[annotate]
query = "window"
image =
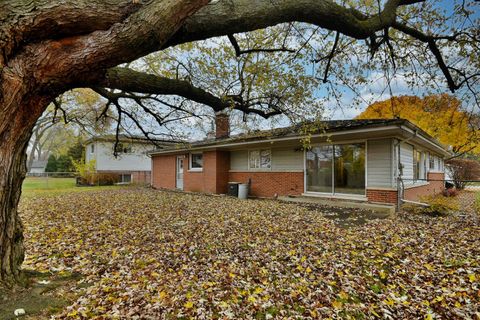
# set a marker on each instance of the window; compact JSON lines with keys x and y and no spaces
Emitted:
{"x":416,"y":164}
{"x":337,"y":169}
{"x":196,"y":161}
{"x":424,"y":158}
{"x":92,"y":148}
{"x":123,"y":148}
{"x":125,"y":178}
{"x":431,"y":161}
{"x":260,"y":159}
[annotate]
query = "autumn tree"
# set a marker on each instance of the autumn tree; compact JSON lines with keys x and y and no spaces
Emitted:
{"x":49,"y":48}
{"x":442,"y":116}
{"x":72,"y":115}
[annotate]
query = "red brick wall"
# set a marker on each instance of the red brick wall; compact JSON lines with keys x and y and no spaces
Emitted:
{"x":141,"y":177}
{"x":217,"y":165}
{"x":433,"y":187}
{"x":384,"y":196}
{"x":163,"y":171}
{"x":267,"y":184}
{"x":214,"y":176}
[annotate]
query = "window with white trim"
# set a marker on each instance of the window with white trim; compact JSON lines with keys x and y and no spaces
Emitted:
{"x":260,"y":159}
{"x":196,"y":161}
{"x":125,"y":178}
{"x":92,"y":148}
{"x":431,"y":161}
{"x":416,"y":164}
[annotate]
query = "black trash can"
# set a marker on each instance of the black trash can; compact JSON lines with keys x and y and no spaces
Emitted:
{"x":233,"y":189}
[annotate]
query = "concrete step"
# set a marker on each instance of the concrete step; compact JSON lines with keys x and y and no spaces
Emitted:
{"x":381,"y":209}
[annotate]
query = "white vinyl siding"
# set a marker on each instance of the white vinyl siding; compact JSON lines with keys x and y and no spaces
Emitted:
{"x":239,"y":160}
{"x":406,"y":159}
{"x":138,"y":160}
{"x":379,"y":163}
{"x":286,"y":159}
{"x":283,"y":159}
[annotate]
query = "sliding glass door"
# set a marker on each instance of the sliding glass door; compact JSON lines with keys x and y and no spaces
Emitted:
{"x":337,"y":169}
{"x":319,"y":169}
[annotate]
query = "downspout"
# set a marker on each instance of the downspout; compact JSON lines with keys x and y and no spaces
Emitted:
{"x":151,"y":169}
{"x":400,"y":184}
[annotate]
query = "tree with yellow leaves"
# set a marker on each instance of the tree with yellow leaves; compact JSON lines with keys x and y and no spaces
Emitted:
{"x":441,"y":116}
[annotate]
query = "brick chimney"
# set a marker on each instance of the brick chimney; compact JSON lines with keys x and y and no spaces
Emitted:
{"x":222,"y":125}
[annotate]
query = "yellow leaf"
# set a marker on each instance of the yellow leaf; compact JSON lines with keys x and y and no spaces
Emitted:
{"x":337,"y":304}
{"x":188,"y":305}
{"x":428,"y":266}
{"x":258,"y":290}
{"x":162,"y":295}
{"x":74,"y":313}
{"x":383,"y":274}
{"x":343,"y":295}
{"x":472,"y":277}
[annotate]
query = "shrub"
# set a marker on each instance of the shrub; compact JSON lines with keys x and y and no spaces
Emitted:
{"x":437,"y":206}
{"x":461,"y":170}
{"x":86,"y":171}
{"x":451,"y":192}
{"x":105,"y":179}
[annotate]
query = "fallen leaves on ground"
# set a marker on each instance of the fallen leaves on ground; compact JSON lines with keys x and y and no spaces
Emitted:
{"x":149,"y":254}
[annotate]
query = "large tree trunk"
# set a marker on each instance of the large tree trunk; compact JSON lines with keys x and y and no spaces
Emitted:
{"x":20,"y":107}
{"x":13,"y":167}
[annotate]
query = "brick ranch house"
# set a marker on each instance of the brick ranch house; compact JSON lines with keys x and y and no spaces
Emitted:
{"x":350,"y":159}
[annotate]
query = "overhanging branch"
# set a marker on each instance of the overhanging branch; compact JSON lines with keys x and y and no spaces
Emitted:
{"x":128,"y":80}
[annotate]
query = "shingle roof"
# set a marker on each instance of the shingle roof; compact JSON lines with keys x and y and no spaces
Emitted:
{"x":326,"y":126}
{"x":39,"y":164}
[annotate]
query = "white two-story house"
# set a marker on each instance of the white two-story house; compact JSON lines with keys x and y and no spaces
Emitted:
{"x":132,"y":163}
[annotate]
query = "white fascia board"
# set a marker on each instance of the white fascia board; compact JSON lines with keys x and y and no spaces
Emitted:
{"x":292,"y":138}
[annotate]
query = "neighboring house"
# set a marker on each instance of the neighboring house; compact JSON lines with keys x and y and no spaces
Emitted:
{"x":132,"y":164}
{"x":352,"y":159}
{"x":38,"y":167}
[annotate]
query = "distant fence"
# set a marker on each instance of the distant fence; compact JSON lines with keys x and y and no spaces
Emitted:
{"x":53,"y":174}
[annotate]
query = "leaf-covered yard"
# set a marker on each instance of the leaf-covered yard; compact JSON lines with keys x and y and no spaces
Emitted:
{"x":150,"y":254}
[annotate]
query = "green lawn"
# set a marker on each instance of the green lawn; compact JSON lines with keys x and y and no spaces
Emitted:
{"x":44,"y":186}
{"x":477,"y":202}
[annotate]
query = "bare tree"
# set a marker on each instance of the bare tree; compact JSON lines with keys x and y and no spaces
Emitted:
{"x":49,"y":48}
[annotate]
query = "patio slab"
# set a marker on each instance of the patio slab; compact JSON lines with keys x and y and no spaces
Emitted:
{"x":379,"y":210}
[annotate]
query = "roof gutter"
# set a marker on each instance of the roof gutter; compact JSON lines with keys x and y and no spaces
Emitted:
{"x":291,"y":138}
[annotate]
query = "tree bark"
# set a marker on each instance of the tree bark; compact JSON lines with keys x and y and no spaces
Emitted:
{"x":33,"y":73}
{"x":19,"y":111}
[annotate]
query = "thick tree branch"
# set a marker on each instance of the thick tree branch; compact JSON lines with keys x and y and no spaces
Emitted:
{"x":133,"y":81}
{"x":89,"y":55}
{"x":225,"y":17}
{"x":27,"y":21}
